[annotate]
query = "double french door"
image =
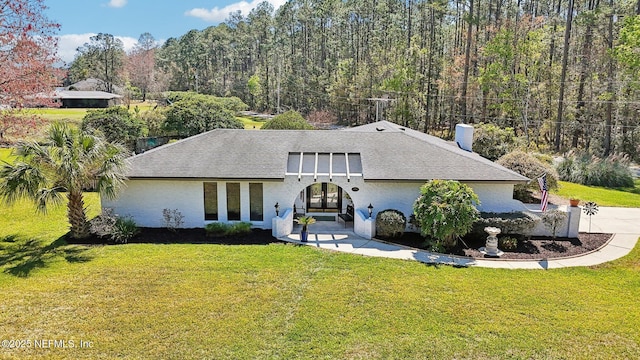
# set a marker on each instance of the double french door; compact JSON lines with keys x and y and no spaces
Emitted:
{"x":324,"y":197}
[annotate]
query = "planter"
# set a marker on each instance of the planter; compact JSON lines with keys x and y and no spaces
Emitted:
{"x":574,"y":202}
{"x":305,"y":221}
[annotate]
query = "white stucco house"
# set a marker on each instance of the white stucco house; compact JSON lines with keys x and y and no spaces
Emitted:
{"x":237,"y":175}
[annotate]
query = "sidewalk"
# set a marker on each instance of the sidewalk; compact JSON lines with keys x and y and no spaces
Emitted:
{"x":625,"y":223}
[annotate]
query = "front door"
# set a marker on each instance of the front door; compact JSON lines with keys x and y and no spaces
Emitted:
{"x":324,"y":197}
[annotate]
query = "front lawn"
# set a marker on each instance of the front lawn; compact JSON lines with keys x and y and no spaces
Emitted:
{"x":621,"y":197}
{"x":187,"y":301}
{"x":250,"y":122}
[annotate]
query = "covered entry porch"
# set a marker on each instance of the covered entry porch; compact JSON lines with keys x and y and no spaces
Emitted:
{"x":327,"y":203}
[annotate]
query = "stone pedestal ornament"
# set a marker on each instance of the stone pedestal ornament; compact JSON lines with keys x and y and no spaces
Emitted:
{"x":491,"y":247}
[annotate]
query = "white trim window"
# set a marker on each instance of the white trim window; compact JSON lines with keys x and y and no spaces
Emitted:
{"x":210,"y":200}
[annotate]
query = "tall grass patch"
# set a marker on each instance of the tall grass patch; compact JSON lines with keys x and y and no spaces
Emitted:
{"x":581,"y":168}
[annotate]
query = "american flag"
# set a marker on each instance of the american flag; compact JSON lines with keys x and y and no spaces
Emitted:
{"x":542,"y":182}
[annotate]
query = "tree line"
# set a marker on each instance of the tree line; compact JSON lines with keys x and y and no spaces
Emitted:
{"x":562,"y":73}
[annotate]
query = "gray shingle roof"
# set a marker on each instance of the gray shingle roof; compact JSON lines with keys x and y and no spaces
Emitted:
{"x":73,"y":94}
{"x":392,"y":154}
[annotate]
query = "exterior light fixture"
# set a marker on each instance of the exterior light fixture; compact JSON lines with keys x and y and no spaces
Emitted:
{"x":277,"y":206}
{"x":370,"y":207}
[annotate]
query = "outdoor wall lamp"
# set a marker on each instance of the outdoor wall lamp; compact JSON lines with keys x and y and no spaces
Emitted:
{"x":277,"y":206}
{"x":370,"y":207}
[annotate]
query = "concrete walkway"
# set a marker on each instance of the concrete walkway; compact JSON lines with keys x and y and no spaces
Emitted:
{"x":624,"y":223}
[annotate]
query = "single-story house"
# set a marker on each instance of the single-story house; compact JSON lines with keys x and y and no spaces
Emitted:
{"x":86,"y":99}
{"x":230,"y":175}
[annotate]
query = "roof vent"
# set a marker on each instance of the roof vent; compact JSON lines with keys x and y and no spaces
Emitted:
{"x":464,"y":136}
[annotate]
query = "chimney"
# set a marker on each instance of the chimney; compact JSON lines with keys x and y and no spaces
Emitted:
{"x":464,"y":136}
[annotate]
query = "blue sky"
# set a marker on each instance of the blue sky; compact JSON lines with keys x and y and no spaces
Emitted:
{"x":127,"y":19}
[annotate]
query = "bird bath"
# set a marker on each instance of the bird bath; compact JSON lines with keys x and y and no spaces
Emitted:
{"x":491,"y":247}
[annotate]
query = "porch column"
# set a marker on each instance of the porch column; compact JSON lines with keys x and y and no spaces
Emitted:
{"x":364,"y":226}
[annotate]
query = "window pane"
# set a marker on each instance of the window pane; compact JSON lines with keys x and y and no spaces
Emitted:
{"x":333,"y":198}
{"x":323,"y":163}
{"x":339,"y":164}
{"x":233,"y":201}
{"x":314,"y":196}
{"x":293,"y":163}
{"x":256,"y":201}
{"x":210,"y":201}
{"x":309,"y":163}
{"x":355,"y":164}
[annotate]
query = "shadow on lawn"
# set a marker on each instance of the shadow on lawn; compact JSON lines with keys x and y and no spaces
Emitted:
{"x":20,"y":257}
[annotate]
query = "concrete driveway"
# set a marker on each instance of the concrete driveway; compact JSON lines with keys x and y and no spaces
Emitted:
{"x":612,"y":220}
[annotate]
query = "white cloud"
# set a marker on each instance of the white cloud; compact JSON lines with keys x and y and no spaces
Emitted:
{"x":117,"y":3}
{"x":128,"y":42}
{"x":67,"y":44}
{"x":219,"y":15}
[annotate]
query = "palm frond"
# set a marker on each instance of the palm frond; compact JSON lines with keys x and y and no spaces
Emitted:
{"x":20,"y":180}
{"x":113,"y":167}
{"x":47,"y":197}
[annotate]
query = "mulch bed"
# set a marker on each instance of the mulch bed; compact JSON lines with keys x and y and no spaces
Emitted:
{"x":189,"y":236}
{"x":536,"y":248}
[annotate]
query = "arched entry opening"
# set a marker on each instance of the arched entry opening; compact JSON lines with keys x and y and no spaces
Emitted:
{"x":323,"y":200}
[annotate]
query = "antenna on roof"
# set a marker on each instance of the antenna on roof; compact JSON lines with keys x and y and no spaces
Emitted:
{"x":384,"y":100}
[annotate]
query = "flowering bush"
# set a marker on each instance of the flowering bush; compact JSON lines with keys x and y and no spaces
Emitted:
{"x":390,"y":223}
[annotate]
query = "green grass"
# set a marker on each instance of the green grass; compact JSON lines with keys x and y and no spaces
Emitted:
{"x":5,"y":155}
{"x":622,"y":197}
{"x":283,"y":301}
{"x":21,"y":220}
{"x":60,"y":114}
{"x":251,"y":122}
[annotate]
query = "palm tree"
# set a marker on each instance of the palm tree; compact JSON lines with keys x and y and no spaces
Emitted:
{"x":69,"y":161}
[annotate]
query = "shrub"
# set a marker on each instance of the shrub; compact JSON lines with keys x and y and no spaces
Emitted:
{"x":508,"y":243}
{"x":492,"y":142}
{"x":109,"y":226}
{"x":582,"y":168}
{"x":125,"y":229}
{"x":103,"y":224}
{"x":195,"y":113}
{"x":390,"y":223}
{"x":519,"y":223}
{"x":553,"y":220}
{"x":445,"y":211}
{"x":290,"y":120}
{"x":239,"y":229}
{"x":116,"y":123}
{"x":217,"y":229}
{"x":528,"y":165}
{"x":154,"y":121}
{"x":173,"y":219}
{"x":231,"y":103}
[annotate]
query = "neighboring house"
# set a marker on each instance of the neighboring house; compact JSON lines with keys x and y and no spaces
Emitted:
{"x":86,"y":99}
{"x":237,"y":175}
